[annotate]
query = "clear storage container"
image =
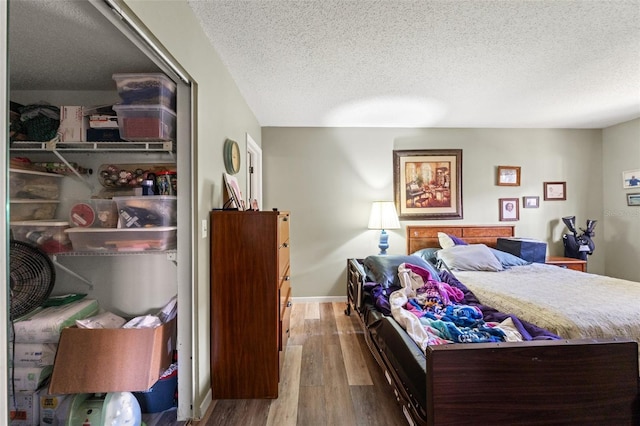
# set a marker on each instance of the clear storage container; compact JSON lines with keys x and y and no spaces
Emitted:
{"x":94,"y":213}
{"x":34,"y":185}
{"x":123,"y":240}
{"x":147,"y":211}
{"x":146,"y":122}
{"x":146,"y":89}
{"x":47,"y":235}
{"x":32,"y":209}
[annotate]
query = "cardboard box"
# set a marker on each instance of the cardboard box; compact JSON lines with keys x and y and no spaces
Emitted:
{"x":73,"y":124}
{"x":525,"y":248}
{"x":112,"y":360}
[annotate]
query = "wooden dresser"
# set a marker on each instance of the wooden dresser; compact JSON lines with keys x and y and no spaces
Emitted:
{"x":567,"y":262}
{"x":250,"y":307}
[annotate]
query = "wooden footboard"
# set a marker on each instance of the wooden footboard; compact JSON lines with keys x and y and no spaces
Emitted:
{"x":565,"y":382}
{"x":577,"y":382}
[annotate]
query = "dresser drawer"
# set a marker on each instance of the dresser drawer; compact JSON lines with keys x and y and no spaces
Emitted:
{"x":285,"y":326}
{"x":283,"y":260}
{"x":283,"y":228}
{"x":284,"y":292}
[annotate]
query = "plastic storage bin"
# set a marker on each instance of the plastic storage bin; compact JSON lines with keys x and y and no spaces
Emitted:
{"x":94,"y":213}
{"x":146,"y":122}
{"x":47,"y":235}
{"x":34,"y":185}
{"x":32,"y":209}
{"x":146,"y":89}
{"x":123,"y":240}
{"x":162,"y":395}
{"x":147,"y":211}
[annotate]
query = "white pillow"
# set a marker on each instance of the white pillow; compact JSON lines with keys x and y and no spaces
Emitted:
{"x":445,"y":240}
{"x":472,"y":257}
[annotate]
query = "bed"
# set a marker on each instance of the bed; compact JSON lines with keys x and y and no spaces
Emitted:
{"x":592,"y":379}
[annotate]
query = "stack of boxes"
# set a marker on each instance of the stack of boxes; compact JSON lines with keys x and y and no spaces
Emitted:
{"x":147,"y":111}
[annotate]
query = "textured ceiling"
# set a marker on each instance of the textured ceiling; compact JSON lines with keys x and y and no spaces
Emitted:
{"x":67,"y":45}
{"x":507,"y":64}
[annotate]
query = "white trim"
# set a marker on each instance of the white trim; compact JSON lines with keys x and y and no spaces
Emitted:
{"x":254,"y":180}
{"x":319,"y":299}
{"x":4,"y":235}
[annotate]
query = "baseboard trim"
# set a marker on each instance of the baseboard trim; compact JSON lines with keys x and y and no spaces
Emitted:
{"x":319,"y":299}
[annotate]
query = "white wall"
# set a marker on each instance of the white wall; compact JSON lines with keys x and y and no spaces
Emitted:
{"x":328,"y":177}
{"x":621,"y":243}
{"x":221,"y":113}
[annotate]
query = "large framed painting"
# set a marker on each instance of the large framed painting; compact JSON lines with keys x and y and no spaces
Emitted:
{"x":428,"y":184}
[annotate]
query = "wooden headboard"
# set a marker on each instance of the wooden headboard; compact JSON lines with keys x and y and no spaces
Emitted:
{"x":426,"y":236}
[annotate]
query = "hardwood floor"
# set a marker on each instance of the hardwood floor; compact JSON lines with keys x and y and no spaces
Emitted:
{"x":329,"y":378}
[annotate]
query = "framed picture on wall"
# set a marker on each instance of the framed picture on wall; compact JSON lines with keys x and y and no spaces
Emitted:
{"x":631,"y":179}
{"x":530,"y":202}
{"x":633,"y":199}
{"x":555,"y":191}
{"x":427,"y":184}
{"x":508,"y":176}
{"x":509,"y":209}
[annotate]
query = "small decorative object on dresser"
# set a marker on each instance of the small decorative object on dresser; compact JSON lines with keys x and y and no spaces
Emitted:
{"x":508,"y":176}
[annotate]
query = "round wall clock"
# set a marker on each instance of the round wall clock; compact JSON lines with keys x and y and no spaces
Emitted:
{"x":231,"y":156}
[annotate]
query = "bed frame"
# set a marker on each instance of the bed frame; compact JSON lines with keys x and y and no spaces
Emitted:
{"x":586,"y":381}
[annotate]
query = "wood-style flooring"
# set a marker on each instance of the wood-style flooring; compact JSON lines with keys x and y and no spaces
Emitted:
{"x":329,"y":378}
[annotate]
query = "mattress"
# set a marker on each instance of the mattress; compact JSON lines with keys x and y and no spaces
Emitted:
{"x":569,"y":303}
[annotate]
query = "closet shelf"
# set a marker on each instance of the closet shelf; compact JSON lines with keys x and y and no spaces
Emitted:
{"x":148,"y":146}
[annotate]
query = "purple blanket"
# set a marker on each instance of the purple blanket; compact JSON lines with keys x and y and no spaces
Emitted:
{"x":529,"y":331}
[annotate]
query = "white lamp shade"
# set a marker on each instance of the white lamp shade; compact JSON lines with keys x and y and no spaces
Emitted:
{"x":383,"y":216}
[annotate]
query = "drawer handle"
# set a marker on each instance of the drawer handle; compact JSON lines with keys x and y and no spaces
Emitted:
{"x":285,"y":244}
{"x":287,"y":277}
{"x":289,"y":304}
{"x":286,"y":218}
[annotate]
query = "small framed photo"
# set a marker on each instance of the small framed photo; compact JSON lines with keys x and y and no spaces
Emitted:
{"x":633,"y":199}
{"x":509,"y":209}
{"x":530,"y":202}
{"x":555,"y":191}
{"x":631,"y":179}
{"x":508,"y":176}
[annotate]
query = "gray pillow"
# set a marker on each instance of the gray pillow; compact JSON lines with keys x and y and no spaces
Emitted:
{"x":472,"y":257}
{"x":507,"y":259}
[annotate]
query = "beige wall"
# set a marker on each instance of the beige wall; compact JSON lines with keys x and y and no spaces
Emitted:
{"x":621,"y":244}
{"x":221,"y":113}
{"x":328,"y":177}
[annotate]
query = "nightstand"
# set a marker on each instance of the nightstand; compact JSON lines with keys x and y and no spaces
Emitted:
{"x":567,"y":262}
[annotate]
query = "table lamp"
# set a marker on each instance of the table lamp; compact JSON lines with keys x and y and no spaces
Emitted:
{"x":383,"y":216}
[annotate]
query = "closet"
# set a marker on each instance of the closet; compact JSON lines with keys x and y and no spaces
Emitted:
{"x":67,"y":57}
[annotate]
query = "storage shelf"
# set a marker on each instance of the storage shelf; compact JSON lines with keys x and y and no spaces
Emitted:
{"x":171,"y":254}
{"x":148,"y":146}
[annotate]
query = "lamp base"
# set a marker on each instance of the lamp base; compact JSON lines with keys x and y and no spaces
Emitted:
{"x":384,"y":242}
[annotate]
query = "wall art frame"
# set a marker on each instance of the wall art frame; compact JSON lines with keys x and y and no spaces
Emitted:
{"x":633,"y":199}
{"x":508,"y":176}
{"x":530,"y":202}
{"x":555,"y":191}
{"x":509,"y":210}
{"x":428,"y":184}
{"x":631,"y":179}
